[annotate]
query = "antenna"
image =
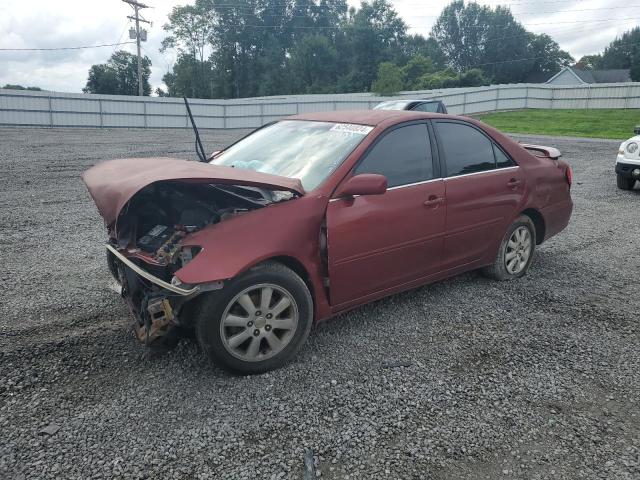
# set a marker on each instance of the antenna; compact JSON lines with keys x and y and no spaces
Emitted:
{"x":199,"y":148}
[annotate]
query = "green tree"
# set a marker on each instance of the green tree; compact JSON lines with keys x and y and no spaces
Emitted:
{"x":190,"y":77}
{"x":415,"y":68}
{"x":446,"y":78}
{"x":275,"y":76}
{"x":311,"y":64}
{"x":477,"y":36}
{"x":427,"y":47}
{"x":635,"y":67}
{"x":621,"y":52}
{"x":472,"y":78}
{"x":389,"y":80}
{"x":547,"y":54}
{"x":589,"y":61}
{"x":375,"y":34}
{"x":119,"y":76}
{"x":10,"y":86}
{"x":189,"y":30}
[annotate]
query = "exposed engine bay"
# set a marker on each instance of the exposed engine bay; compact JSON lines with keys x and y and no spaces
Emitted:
{"x":150,"y":232}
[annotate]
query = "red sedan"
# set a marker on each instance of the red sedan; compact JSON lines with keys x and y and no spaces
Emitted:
{"x":317,"y":214}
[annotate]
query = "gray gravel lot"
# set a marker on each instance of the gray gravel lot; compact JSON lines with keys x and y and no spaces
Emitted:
{"x":538,"y":378}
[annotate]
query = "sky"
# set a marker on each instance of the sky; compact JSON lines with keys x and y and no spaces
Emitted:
{"x":581,"y":27}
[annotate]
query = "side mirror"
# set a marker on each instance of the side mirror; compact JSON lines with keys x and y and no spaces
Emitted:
{"x":363,"y":184}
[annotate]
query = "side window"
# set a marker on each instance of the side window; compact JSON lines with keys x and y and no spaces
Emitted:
{"x":466,"y":150}
{"x":427,"y":107}
{"x":502,"y":161}
{"x":402,"y":155}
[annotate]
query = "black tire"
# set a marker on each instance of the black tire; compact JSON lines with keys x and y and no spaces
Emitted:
{"x":625,"y":183}
{"x":208,"y":314}
{"x":498,"y":270}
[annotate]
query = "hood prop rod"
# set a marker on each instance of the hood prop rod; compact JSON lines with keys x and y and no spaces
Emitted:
{"x":199,"y":148}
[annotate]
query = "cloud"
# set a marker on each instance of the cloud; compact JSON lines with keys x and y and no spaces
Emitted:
{"x":580,"y":27}
{"x":46,"y":24}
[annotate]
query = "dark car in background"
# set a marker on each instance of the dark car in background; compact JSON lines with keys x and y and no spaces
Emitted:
{"x":431,"y":106}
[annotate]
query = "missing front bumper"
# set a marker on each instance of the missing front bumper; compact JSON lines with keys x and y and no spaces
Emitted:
{"x":152,"y":278}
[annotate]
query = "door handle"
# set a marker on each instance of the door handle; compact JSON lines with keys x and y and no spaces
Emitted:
{"x":514,"y":183}
{"x":433,"y":201}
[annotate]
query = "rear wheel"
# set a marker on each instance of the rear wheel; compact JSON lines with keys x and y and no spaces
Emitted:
{"x":516,"y":251}
{"x":257,"y":322}
{"x":625,"y":183}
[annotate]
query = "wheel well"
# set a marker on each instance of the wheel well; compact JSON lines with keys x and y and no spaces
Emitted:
{"x":538,"y":222}
{"x":295,"y":265}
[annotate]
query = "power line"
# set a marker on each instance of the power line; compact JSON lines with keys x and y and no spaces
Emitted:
{"x":533,"y":58}
{"x":250,"y":8}
{"x":62,"y":48}
{"x":284,"y":26}
{"x":124,"y":29}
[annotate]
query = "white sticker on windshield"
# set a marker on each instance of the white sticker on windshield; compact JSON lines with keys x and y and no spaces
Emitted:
{"x":351,"y":128}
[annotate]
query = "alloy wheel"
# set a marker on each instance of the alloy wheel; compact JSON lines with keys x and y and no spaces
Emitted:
{"x":259,"y":322}
{"x":518,"y":250}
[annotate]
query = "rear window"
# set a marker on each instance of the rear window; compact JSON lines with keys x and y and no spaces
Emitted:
{"x":394,"y":105}
{"x":432,"y":107}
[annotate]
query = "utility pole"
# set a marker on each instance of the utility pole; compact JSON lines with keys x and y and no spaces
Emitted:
{"x":137,"y":6}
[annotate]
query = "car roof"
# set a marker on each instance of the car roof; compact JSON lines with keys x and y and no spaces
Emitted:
{"x":367,"y":117}
{"x":422,"y":100}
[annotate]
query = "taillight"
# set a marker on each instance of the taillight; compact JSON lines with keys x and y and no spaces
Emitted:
{"x":568,"y":173}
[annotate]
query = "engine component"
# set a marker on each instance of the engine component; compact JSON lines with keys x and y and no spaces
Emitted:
{"x":155,"y":238}
{"x":158,"y":321}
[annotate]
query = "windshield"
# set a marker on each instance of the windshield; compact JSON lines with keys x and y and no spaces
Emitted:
{"x":307,"y":150}
{"x":393,"y":105}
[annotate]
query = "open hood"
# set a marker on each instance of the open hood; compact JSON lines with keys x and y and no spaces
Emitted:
{"x":113,"y":183}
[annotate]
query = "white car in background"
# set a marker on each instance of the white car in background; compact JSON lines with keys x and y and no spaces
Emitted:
{"x":628,"y":162}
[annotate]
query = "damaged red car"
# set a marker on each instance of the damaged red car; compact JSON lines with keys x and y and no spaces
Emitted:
{"x":314,"y":215}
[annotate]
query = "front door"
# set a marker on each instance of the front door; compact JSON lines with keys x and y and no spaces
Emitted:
{"x":377,"y":242}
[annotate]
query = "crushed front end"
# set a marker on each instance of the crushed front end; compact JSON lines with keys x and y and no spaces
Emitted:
{"x":154,"y":208}
{"x":150,"y":243}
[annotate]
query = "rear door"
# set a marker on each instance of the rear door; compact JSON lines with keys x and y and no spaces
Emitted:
{"x":378,"y":242}
{"x":484,"y":188}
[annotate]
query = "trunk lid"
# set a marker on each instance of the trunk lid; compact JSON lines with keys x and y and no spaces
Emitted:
{"x":113,"y":183}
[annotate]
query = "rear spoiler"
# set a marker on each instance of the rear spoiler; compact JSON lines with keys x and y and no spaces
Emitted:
{"x":542,"y":152}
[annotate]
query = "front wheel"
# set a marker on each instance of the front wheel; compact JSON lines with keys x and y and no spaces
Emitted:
{"x":256,"y":323}
{"x":515,"y":252}
{"x":625,"y":183}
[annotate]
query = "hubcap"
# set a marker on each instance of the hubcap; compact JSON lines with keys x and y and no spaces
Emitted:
{"x":259,"y":322}
{"x":518,"y":250}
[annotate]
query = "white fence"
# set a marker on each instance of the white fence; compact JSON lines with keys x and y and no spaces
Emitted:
{"x":51,"y":109}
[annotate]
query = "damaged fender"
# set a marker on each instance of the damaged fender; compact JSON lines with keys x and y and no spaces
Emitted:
{"x":232,"y":247}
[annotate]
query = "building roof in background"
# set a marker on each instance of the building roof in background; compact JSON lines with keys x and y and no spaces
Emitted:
{"x":612,"y":76}
{"x":596,"y":76}
{"x":585,"y":75}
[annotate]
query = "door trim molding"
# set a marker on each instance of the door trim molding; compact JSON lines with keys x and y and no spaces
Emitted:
{"x":395,"y":188}
{"x":493,"y":170}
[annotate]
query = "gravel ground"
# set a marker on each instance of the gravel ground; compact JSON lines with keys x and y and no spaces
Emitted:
{"x":464,"y":379}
